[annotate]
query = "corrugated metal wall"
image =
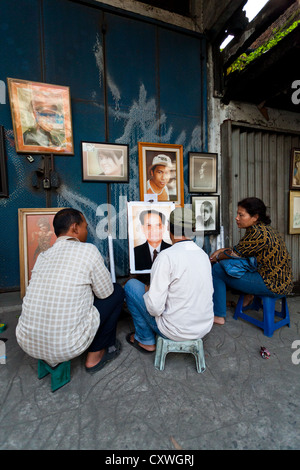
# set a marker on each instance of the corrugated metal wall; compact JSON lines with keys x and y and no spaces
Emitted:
{"x":156,"y":92}
{"x":257,"y":163}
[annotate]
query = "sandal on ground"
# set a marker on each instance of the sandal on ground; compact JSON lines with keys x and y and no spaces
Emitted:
{"x":108,"y":356}
{"x":136,"y":345}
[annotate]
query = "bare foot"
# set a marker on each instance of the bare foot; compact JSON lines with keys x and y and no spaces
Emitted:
{"x":248,"y":298}
{"x":219,"y":320}
{"x":94,"y":357}
{"x":148,"y":347}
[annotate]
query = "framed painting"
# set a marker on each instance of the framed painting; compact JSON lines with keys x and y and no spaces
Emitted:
{"x":295,"y":169}
{"x":36,"y":234}
{"x":105,"y":162}
{"x":161,"y":172}
{"x":207,"y":214}
{"x":294,"y":213}
{"x":41,"y":116}
{"x":203,"y":172}
{"x":3,"y":166}
{"x":148,"y":233}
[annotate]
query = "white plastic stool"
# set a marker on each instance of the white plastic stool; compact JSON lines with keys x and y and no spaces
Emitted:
{"x":164,"y":346}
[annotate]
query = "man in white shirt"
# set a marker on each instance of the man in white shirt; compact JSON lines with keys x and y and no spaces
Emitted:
{"x":71,"y":304}
{"x":178,"y":304}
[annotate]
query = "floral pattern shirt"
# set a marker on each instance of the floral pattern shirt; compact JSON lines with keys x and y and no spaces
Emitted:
{"x":273,"y":259}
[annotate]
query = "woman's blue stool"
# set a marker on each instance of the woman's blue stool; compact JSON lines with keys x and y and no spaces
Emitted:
{"x":60,"y":374}
{"x":164,"y":346}
{"x":268,"y":304}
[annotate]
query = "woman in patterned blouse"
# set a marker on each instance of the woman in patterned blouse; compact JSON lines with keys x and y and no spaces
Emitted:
{"x":274,"y":273}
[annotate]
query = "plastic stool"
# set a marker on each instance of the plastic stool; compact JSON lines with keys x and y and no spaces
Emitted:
{"x":164,"y":346}
{"x":60,"y":374}
{"x":268,"y":304}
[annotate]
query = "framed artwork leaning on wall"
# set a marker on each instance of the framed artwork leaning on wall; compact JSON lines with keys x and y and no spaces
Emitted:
{"x":161,"y":172}
{"x":203,"y":172}
{"x":294,"y":213}
{"x":295,"y":169}
{"x":206,"y":210}
{"x":41,"y":116}
{"x":36,"y":234}
{"x":105,"y":162}
{"x":147,"y":233}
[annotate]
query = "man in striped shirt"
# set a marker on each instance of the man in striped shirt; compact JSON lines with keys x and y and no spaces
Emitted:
{"x":71,"y":304}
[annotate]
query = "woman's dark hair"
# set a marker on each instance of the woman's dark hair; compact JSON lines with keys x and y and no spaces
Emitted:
{"x":64,"y":219}
{"x":254,"y":206}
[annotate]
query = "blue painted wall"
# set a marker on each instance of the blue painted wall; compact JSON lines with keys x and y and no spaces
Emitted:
{"x":156,"y":92}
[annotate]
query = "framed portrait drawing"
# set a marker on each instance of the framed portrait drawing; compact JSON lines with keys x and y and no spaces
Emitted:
{"x":294,"y":213}
{"x":147,"y":233}
{"x":207,"y":214}
{"x":295,"y":169}
{"x":105,"y":162}
{"x":203,"y":172}
{"x":161,"y":172}
{"x":36,"y":234}
{"x":3,"y":166}
{"x":41,"y":116}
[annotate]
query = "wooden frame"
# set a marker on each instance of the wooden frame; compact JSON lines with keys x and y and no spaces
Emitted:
{"x":203,"y":172}
{"x":36,"y":234}
{"x":3,"y":166}
{"x":137,"y":236}
{"x":164,"y":155}
{"x":295,"y":169}
{"x":114,"y":158}
{"x":206,"y":210}
{"x":41,"y":116}
{"x":294,"y":212}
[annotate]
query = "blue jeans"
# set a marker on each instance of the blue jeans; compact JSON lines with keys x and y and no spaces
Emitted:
{"x":249,"y":283}
{"x":144,"y":324}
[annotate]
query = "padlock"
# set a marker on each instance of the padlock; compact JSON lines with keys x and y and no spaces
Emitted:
{"x":46,"y":183}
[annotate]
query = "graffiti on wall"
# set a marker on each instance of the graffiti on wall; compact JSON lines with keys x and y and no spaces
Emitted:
{"x":140,"y":123}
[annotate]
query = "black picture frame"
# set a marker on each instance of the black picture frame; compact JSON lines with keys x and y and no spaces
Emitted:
{"x":3,"y":166}
{"x":203,"y":172}
{"x":206,"y":210}
{"x":116,"y":154}
{"x":295,"y":169}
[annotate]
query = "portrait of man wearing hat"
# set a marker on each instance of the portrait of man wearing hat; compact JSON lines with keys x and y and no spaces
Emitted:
{"x":160,"y":173}
{"x":49,"y":127}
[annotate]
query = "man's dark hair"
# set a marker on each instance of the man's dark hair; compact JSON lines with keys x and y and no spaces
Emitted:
{"x":64,"y":219}
{"x":152,"y":211}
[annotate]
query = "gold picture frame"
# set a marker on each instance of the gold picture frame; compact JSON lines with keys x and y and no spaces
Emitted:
{"x":41,"y":116}
{"x":294,"y":213}
{"x":170,"y":156}
{"x":36,"y":234}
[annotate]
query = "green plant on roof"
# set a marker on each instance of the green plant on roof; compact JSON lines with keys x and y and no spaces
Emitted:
{"x":243,"y":60}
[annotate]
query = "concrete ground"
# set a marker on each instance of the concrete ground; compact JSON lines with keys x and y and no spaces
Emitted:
{"x":241,"y":401}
